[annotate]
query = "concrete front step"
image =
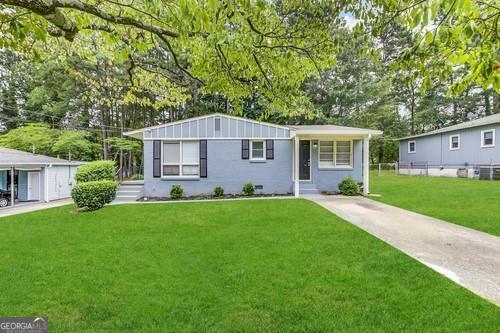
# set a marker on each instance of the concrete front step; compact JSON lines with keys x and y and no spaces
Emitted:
{"x":129,"y":191}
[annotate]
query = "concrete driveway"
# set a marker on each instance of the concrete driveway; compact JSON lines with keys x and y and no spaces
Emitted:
{"x":33,"y":206}
{"x":468,"y":257}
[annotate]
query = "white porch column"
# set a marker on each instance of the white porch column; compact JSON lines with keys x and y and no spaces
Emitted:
{"x":46,"y":181}
{"x":12,"y":192}
{"x":366,"y":165}
{"x":296,"y":168}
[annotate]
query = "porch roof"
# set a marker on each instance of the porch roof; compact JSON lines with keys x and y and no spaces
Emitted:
{"x":333,"y":130}
{"x":16,"y":158}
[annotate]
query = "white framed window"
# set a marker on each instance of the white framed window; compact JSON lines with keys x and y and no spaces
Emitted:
{"x":412,"y":147}
{"x":335,"y":154}
{"x":488,"y":138}
{"x":181,"y":159}
{"x":257,"y":150}
{"x":455,"y":142}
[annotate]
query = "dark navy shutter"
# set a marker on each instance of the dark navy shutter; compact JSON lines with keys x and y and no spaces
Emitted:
{"x":156,"y":158}
{"x":269,"y":149}
{"x":245,"y":146}
{"x":203,"y":158}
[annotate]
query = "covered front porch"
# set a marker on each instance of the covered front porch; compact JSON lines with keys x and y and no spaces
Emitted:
{"x":323,"y":155}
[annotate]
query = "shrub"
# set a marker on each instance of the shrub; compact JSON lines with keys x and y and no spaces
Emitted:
{"x":248,"y":189}
{"x":176,"y":192}
{"x":94,"y":195}
{"x":94,"y":171}
{"x":348,"y":186}
{"x":219,"y":191}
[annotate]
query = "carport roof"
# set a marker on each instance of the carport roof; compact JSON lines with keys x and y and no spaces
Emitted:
{"x":16,"y":158}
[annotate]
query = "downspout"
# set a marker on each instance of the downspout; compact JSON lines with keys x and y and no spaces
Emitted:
{"x":47,"y":182}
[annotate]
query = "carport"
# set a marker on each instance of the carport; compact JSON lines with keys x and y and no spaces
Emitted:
{"x":27,"y":177}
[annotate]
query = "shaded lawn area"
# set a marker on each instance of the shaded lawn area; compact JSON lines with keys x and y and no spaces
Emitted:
{"x":468,"y":202}
{"x":240,"y":266}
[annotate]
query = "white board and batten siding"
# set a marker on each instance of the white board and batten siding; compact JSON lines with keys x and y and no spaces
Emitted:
{"x":60,"y":181}
{"x":217,"y":126}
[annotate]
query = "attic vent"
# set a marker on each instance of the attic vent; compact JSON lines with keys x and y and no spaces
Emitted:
{"x":259,"y":187}
{"x":217,"y":124}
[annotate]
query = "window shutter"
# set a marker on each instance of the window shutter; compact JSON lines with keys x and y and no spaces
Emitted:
{"x":245,"y":146}
{"x":269,"y":149}
{"x":156,"y":158}
{"x":203,"y":158}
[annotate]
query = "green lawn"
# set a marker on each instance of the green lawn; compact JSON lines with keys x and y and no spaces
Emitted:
{"x":468,"y":202}
{"x":239,"y":266}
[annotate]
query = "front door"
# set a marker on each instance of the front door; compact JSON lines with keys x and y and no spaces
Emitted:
{"x":34,"y":185}
{"x":305,"y":160}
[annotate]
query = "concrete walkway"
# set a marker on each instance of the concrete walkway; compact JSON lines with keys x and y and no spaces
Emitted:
{"x":31,"y":207}
{"x":468,"y":257}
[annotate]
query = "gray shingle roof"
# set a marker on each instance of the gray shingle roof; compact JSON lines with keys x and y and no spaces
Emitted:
{"x":493,"y":119}
{"x":12,"y":157}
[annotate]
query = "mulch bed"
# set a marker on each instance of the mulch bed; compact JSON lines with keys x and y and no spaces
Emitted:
{"x":213,"y":197}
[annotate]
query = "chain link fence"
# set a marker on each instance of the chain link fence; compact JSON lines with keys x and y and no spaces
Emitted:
{"x":478,"y":171}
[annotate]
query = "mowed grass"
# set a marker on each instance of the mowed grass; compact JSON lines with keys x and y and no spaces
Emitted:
{"x":238,"y":266}
{"x":468,"y":202}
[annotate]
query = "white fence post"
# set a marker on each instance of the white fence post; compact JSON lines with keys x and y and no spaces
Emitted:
{"x":379,"y":169}
{"x":397,"y":168}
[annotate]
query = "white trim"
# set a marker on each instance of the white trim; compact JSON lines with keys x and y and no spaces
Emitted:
{"x":296,"y":170}
{"x":451,"y":141}
{"x":414,"y":146}
{"x":482,"y":138}
{"x":366,"y":165}
{"x":130,"y":133}
{"x":334,"y":162}
{"x":264,"y":148}
{"x":214,"y":138}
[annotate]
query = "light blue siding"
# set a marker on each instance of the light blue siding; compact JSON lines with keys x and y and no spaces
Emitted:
{"x":435,"y":149}
{"x":226,"y":168}
{"x":204,"y":128}
{"x":22,"y":186}
{"x":328,"y":179}
{"x":3,"y":179}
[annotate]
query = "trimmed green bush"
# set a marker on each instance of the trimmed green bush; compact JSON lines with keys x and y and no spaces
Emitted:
{"x":348,"y":186}
{"x":176,"y":192}
{"x":248,"y":189}
{"x":219,"y":191}
{"x":94,"y":195}
{"x":94,"y":171}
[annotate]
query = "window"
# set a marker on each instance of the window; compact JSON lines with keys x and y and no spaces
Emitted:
{"x":488,"y":138}
{"x":181,"y":158}
{"x":335,"y":154}
{"x":217,"y":124}
{"x":455,"y":142}
{"x":257,"y":150}
{"x":412,"y":147}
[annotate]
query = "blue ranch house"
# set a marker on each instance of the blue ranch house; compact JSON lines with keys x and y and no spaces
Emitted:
{"x":221,"y":150}
{"x":470,"y":149}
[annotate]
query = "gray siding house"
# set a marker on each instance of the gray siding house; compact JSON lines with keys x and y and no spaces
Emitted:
{"x":469,"y":149}
{"x":221,"y":150}
{"x":33,"y":177}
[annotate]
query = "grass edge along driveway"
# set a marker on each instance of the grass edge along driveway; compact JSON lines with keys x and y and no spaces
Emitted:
{"x":471,"y":203}
{"x":240,"y":266}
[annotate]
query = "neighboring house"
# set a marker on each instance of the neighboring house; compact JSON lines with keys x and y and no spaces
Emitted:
{"x":220,"y":150}
{"x":468,"y":149}
{"x":31,"y":177}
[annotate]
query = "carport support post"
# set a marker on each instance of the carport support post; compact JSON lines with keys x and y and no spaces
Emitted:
{"x":12,"y":192}
{"x":366,"y":165}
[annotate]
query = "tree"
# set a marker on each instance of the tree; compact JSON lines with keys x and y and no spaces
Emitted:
{"x":236,"y":48}
{"x":77,"y":145}
{"x":37,"y":137}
